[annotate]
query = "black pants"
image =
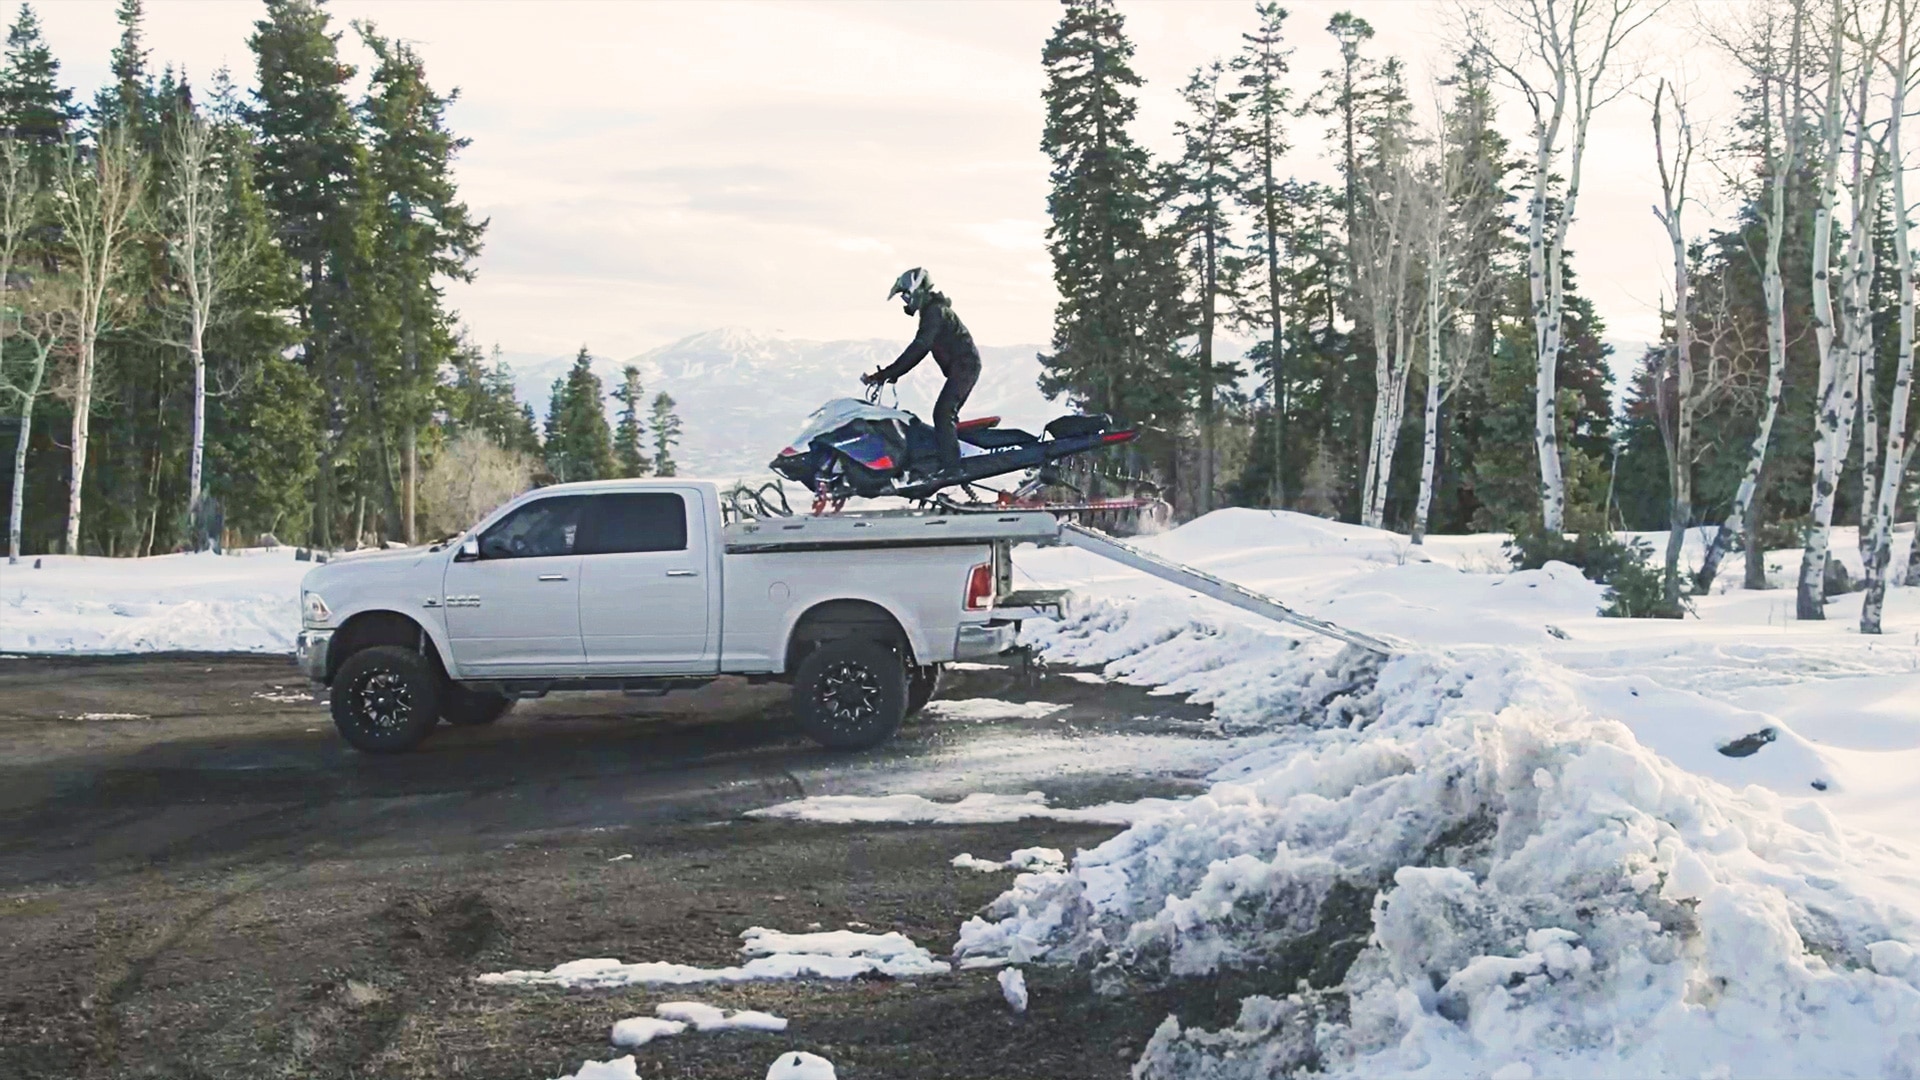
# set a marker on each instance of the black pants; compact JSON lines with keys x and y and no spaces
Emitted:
{"x":946,"y":411}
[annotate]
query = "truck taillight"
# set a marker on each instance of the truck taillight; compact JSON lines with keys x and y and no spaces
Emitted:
{"x":980,"y":587}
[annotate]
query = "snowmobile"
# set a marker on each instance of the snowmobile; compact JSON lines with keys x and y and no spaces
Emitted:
{"x":852,"y":447}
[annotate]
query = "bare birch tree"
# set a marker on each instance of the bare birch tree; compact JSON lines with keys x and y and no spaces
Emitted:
{"x":1838,"y":385}
{"x":208,"y":259}
{"x":1677,"y":417}
{"x":1390,"y":250}
{"x":1879,"y":544}
{"x":1780,"y":134}
{"x":1565,"y":65}
{"x":23,"y":378}
{"x":95,"y":194}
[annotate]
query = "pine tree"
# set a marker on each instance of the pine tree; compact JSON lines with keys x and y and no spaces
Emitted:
{"x":34,"y":107}
{"x":579,"y":444}
{"x":1107,"y":352}
{"x":479,"y":397}
{"x":1264,"y":108}
{"x":629,"y":436}
{"x":422,"y":235}
{"x":665,"y":425}
{"x":130,"y":99}
{"x":312,"y":168}
{"x":1202,"y":186}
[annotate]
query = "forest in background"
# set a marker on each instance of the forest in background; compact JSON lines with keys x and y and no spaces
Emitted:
{"x":1424,"y":359}
{"x":224,"y":314}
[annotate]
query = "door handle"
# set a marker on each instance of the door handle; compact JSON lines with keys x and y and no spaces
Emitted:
{"x":683,"y":573}
{"x":553,"y":577}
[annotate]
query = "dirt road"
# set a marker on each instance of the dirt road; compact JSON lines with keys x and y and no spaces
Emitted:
{"x":198,"y":879}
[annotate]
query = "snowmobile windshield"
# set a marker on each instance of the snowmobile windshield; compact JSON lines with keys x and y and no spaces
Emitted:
{"x":837,"y":414}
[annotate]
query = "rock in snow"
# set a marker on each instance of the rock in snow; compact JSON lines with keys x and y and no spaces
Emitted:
{"x":800,"y":1065}
{"x":1013,"y":987}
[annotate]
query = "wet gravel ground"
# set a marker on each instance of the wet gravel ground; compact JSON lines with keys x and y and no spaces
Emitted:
{"x":198,"y":879}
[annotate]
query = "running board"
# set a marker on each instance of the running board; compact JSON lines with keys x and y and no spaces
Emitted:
{"x":1206,"y":584}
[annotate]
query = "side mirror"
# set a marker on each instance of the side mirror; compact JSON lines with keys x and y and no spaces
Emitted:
{"x":469,"y":550}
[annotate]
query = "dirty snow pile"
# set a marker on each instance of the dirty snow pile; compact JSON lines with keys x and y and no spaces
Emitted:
{"x":831,"y":954}
{"x":1506,"y":851}
{"x":244,"y":601}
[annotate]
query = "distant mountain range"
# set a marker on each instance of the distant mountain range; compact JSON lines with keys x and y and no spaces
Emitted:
{"x":741,"y":395}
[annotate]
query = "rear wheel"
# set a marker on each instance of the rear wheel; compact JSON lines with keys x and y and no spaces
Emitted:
{"x":465,"y":707}
{"x":850,"y":694}
{"x":386,"y":699}
{"x":922,"y":684}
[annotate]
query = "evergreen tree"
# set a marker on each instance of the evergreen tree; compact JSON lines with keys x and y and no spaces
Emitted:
{"x":312,"y":167}
{"x":422,"y":235}
{"x":131,"y":99}
{"x":629,"y":436}
{"x":1201,"y":188}
{"x":479,"y":397}
{"x":35,"y":108}
{"x":1116,"y":328}
{"x":1264,"y":108}
{"x":665,"y":425}
{"x":579,"y":444}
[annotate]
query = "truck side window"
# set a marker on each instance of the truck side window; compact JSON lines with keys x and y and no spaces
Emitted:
{"x":536,"y":530}
{"x":634,"y":521}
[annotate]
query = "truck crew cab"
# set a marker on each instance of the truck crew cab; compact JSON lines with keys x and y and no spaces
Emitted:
{"x":640,"y":585}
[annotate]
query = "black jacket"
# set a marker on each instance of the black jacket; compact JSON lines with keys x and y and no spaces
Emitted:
{"x":942,"y":334}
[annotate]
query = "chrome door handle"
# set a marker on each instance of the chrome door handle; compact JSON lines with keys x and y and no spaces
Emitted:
{"x":553,"y":577}
{"x":683,"y":573}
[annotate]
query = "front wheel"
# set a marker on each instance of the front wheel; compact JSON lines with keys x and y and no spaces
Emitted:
{"x":850,"y":694}
{"x":386,"y":699}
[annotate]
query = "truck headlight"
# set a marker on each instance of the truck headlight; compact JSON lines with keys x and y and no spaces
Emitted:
{"x":315,"y":609}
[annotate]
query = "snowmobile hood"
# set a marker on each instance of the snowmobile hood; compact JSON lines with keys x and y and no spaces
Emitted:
{"x":837,"y":414}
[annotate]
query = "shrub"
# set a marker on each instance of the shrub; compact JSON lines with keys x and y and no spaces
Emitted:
{"x":1625,"y":567}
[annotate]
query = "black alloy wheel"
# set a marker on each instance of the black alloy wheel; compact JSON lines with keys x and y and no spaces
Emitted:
{"x":386,"y":699}
{"x":850,"y":694}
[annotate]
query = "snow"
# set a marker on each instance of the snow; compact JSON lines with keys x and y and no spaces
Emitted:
{"x":620,"y":1068}
{"x":1033,"y":858}
{"x":1013,"y":987}
{"x":1551,"y":843}
{"x":834,"y":954}
{"x":244,"y":601}
{"x":978,"y":710}
{"x":800,"y":1065}
{"x":706,"y":1017}
{"x":641,"y":1030}
{"x":979,"y":808}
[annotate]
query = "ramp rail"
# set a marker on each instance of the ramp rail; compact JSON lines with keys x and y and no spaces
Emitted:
{"x":1206,"y":584}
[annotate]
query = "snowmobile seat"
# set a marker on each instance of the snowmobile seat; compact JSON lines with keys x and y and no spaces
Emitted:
{"x":997,"y":438}
{"x":977,"y":423}
{"x":1066,"y":427}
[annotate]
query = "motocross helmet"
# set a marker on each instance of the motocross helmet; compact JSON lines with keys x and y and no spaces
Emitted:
{"x":913,"y":287}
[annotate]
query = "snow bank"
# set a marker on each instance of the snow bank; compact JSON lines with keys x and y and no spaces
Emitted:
{"x":835,"y":954}
{"x":620,"y":1068}
{"x":641,"y":1030}
{"x":1486,"y":873}
{"x":247,"y":601}
{"x":978,"y":710}
{"x":706,"y":1017}
{"x":979,"y":808}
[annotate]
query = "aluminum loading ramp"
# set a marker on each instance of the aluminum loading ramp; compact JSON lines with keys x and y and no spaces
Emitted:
{"x":1206,"y":584}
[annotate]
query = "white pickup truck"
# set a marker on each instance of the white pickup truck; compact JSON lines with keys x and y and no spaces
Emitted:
{"x":641,"y":585}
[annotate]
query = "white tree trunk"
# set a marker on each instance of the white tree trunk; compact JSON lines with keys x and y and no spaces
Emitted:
{"x":1810,"y":601}
{"x":1436,"y":371}
{"x":27,"y":396}
{"x":1879,"y":547}
{"x":196,"y":492}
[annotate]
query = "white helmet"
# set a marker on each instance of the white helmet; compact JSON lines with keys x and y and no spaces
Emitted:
{"x":914,"y":286}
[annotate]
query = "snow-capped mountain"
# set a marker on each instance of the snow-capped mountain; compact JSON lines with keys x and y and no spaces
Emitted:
{"x":742,"y":395}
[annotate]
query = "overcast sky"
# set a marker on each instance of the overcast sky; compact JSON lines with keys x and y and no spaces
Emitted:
{"x":658,"y":169}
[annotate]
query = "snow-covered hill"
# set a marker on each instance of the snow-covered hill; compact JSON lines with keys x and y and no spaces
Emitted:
{"x":742,"y":395}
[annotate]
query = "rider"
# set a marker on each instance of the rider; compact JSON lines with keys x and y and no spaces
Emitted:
{"x":945,"y":336}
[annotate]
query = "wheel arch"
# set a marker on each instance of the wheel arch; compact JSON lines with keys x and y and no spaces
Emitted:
{"x":380,"y":626}
{"x":846,"y":617}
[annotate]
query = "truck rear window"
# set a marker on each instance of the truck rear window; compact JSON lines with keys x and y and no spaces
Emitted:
{"x":629,"y":522}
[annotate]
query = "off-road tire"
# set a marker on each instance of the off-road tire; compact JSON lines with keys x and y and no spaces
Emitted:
{"x":386,"y":699}
{"x":850,"y":694}
{"x":465,"y":707}
{"x":922,"y":684}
